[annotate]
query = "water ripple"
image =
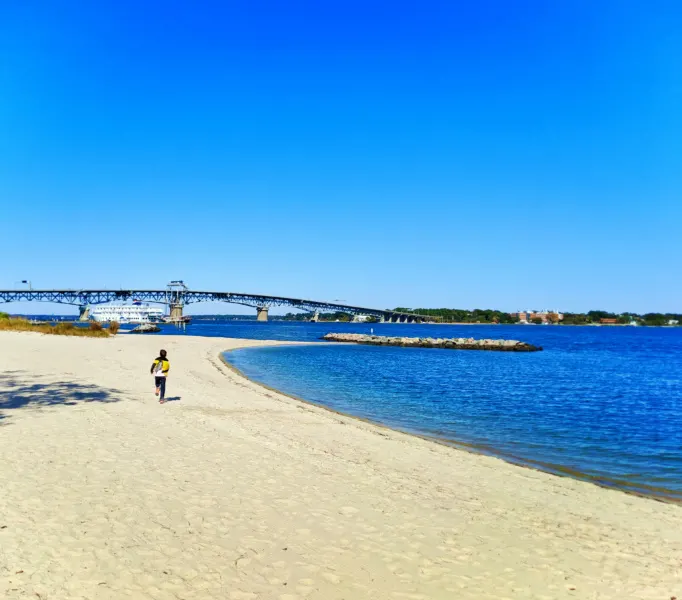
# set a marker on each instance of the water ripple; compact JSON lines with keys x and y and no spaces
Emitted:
{"x":603,"y":404}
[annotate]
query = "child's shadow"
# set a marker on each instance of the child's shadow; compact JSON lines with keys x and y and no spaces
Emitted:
{"x":173,"y":399}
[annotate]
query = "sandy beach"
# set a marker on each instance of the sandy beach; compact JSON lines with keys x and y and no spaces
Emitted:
{"x":233,"y":491}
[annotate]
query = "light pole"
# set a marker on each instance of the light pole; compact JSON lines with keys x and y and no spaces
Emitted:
{"x":30,"y":288}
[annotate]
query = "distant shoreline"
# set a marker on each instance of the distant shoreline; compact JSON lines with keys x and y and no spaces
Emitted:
{"x":211,"y":318}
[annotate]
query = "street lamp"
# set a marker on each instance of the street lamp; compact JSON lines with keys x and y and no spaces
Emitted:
{"x":30,"y":288}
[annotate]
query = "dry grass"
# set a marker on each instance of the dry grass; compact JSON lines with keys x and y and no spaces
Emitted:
{"x":64,"y":328}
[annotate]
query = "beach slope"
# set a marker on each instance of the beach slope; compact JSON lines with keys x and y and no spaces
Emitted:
{"x":234,"y":491}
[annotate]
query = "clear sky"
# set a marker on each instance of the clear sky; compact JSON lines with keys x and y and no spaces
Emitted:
{"x":422,"y":154}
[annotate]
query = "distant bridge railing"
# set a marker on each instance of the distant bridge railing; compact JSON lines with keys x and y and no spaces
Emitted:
{"x":178,"y":298}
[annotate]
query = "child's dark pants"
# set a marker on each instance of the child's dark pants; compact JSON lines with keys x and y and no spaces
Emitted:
{"x":161,"y":384}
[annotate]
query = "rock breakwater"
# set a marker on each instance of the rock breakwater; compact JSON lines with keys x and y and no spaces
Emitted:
{"x":451,"y":343}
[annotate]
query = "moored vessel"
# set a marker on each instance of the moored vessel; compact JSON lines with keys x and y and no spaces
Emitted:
{"x":134,"y":313}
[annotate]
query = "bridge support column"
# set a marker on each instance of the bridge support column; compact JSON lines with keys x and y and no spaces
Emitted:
{"x":84,"y":313}
{"x":316,"y":317}
{"x":262,"y":314}
{"x":176,"y":311}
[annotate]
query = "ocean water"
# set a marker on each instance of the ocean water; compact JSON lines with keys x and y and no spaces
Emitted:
{"x":599,"y":403}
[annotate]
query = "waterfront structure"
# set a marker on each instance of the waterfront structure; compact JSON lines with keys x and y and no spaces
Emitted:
{"x":414,"y":342}
{"x":545,"y":316}
{"x":177,"y":295}
{"x":361,"y":318}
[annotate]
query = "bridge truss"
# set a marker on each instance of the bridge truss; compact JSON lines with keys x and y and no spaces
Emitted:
{"x":178,"y":296}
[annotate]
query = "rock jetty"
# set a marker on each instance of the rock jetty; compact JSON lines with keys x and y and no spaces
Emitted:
{"x":452,"y":343}
{"x":146,"y":328}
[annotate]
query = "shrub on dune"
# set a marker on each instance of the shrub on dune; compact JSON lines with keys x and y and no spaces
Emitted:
{"x":63,"y":328}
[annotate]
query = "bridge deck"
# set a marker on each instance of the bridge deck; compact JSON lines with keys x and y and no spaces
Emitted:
{"x":181,"y":297}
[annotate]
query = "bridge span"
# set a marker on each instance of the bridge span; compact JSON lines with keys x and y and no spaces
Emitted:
{"x":176,"y":296}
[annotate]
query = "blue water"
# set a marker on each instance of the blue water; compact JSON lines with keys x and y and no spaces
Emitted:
{"x":601,"y":403}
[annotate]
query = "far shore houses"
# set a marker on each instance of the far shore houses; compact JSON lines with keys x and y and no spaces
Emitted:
{"x":544,"y":316}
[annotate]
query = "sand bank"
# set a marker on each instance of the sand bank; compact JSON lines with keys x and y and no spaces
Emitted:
{"x":234,"y":491}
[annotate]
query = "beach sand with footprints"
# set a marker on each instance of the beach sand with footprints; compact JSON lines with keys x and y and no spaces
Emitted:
{"x":234,"y":491}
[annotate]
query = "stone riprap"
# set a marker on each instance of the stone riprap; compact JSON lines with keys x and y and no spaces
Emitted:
{"x":452,"y":343}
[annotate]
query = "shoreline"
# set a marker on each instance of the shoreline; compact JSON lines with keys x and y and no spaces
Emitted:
{"x":230,"y":490}
{"x":556,"y":470}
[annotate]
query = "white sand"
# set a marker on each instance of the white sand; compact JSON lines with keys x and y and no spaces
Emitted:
{"x":237,"y":492}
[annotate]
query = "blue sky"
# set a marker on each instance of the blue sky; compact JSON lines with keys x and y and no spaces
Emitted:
{"x":489,"y":154}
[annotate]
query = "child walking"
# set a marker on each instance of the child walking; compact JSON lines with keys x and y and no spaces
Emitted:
{"x":160,"y":368}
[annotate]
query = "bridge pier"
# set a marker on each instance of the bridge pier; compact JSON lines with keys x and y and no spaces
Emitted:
{"x":316,"y":317}
{"x":176,"y":311}
{"x":84,"y":313}
{"x":262,"y":313}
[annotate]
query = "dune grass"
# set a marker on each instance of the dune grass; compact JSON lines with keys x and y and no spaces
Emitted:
{"x":63,"y":328}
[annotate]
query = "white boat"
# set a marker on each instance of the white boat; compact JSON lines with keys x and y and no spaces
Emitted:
{"x":136,"y":312}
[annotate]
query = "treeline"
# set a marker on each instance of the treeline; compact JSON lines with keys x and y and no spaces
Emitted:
{"x":594,"y":317}
{"x":457,"y":315}
{"x":478,"y":315}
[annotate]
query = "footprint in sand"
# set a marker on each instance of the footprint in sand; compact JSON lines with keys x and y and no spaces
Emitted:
{"x":331,"y":578}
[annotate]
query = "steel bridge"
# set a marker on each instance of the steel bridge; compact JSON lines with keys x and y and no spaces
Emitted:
{"x":176,"y":296}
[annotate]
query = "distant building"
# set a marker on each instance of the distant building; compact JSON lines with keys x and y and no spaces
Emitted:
{"x":361,"y":318}
{"x":545,"y":316}
{"x":608,"y":321}
{"x":673,"y":322}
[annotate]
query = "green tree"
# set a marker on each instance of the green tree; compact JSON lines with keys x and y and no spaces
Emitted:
{"x":594,"y":316}
{"x":575,"y":319}
{"x":655,"y":319}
